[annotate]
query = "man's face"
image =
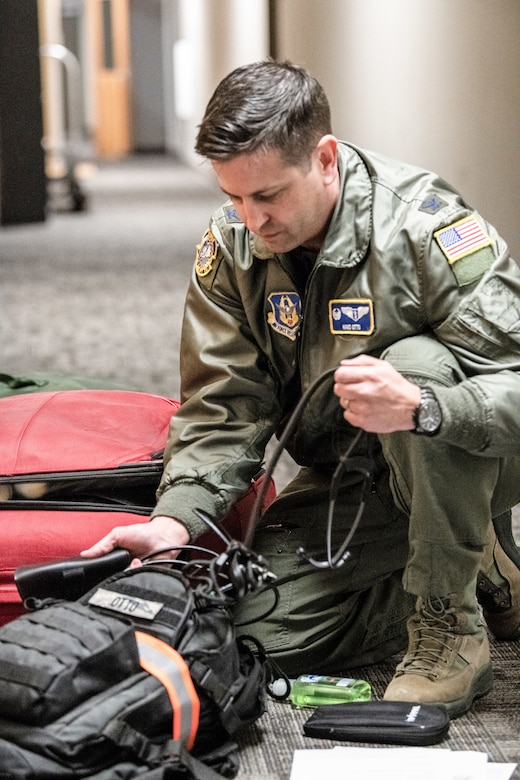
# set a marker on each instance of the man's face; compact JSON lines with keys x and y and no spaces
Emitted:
{"x":285,"y":205}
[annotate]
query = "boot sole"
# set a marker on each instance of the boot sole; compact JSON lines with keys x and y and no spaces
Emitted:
{"x":481,"y":686}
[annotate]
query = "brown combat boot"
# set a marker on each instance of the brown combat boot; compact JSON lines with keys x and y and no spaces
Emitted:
{"x":498,"y":581}
{"x":447,"y":662}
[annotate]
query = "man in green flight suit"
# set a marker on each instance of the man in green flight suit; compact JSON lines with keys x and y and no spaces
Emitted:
{"x":328,"y":258}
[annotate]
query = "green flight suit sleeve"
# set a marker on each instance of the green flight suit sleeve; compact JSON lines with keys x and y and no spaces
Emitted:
{"x":482,"y":329}
{"x":230,"y":405}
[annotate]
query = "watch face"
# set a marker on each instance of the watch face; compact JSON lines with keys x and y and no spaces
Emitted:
{"x":429,"y":416}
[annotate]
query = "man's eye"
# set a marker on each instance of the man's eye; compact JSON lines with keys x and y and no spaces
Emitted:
{"x":267,"y":198}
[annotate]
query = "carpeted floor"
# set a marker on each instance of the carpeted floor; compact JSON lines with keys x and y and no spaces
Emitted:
{"x":100,"y":293}
{"x":492,"y":726}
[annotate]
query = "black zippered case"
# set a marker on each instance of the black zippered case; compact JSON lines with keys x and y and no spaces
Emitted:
{"x":385,"y":722}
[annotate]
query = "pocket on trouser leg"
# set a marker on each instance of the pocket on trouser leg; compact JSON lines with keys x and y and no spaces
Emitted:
{"x":304,"y":600}
{"x":264,"y":612}
{"x":323,"y":637}
{"x":312,"y":620}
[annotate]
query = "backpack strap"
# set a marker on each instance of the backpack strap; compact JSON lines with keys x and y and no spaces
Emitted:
{"x":168,"y":666}
{"x":169,"y":770}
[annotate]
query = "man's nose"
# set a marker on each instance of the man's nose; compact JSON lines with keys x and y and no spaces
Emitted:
{"x":254,"y":216}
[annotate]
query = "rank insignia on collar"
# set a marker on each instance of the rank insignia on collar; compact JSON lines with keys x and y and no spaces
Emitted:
{"x":231,"y":214}
{"x":285,"y":314}
{"x":432,"y":205}
{"x":206,"y":254}
{"x":351,"y":317}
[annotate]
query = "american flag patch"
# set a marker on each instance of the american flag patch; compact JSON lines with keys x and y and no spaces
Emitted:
{"x":462,"y":238}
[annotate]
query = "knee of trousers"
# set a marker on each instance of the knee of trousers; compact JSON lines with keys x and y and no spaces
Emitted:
{"x":423,"y":359}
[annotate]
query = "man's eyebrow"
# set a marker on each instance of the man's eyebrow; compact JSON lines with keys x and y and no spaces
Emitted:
{"x":258,"y":194}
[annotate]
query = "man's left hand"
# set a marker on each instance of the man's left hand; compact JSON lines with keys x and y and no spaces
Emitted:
{"x":375,"y":396}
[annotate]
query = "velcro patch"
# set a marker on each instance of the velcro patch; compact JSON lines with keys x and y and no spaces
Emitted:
{"x":351,"y":316}
{"x":462,"y":238}
{"x":125,"y":604}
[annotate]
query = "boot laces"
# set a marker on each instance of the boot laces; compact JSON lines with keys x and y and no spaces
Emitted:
{"x":432,"y":639}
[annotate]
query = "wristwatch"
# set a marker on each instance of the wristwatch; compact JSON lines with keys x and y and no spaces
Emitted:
{"x":427,"y":417}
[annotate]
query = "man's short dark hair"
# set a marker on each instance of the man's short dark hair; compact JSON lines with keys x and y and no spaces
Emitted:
{"x":265,"y":105}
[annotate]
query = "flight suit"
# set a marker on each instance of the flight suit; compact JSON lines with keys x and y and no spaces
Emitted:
{"x":409,"y":272}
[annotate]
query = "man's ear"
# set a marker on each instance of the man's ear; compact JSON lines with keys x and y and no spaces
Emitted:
{"x":327,"y":155}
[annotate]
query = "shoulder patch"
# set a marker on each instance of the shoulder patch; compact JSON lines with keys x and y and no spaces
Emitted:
{"x":462,"y":238}
{"x":433,"y":204}
{"x":206,"y":254}
{"x":467,"y":249}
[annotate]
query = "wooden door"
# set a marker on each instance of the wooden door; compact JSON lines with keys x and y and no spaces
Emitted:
{"x":109,"y":38}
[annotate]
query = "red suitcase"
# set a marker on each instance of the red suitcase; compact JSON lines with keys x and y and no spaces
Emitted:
{"x":75,"y":463}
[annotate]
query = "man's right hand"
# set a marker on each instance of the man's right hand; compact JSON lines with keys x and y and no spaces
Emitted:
{"x":142,"y":539}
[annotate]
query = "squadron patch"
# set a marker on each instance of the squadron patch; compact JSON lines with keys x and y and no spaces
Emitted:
{"x":351,"y":316}
{"x":285,"y":314}
{"x":206,"y":254}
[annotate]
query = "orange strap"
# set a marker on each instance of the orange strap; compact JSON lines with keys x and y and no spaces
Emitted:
{"x":170,"y":668}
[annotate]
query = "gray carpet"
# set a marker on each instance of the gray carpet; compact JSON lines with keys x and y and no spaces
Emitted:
{"x":100,"y":293}
{"x":492,"y":726}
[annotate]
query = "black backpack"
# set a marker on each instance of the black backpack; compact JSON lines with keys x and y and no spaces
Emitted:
{"x":88,"y":687}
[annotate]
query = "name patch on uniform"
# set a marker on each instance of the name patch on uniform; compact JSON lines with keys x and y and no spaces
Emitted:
{"x":206,"y":254}
{"x":461,"y":239}
{"x":355,"y":316}
{"x":285,"y":314}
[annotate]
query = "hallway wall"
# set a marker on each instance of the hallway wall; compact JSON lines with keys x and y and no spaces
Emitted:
{"x":214,"y":38}
{"x":432,"y":83}
{"x":435,"y":84}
